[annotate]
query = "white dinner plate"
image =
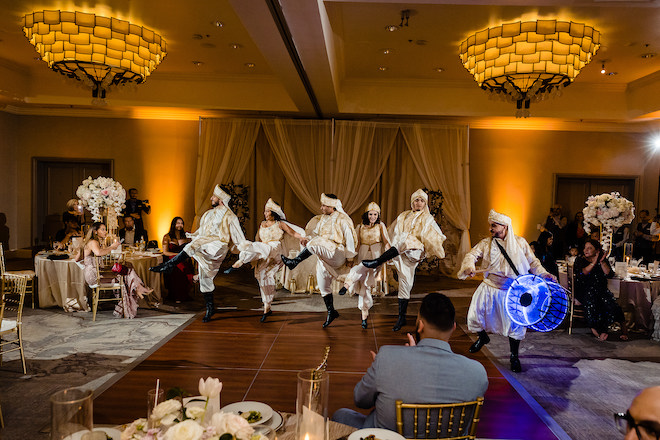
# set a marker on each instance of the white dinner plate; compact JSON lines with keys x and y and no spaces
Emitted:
{"x":112,"y":432}
{"x":276,"y":421}
{"x":381,"y":434}
{"x":246,"y":406}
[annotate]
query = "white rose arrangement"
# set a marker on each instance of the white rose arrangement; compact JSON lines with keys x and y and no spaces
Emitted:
{"x":609,"y":211}
{"x":99,"y":193}
{"x":170,"y":420}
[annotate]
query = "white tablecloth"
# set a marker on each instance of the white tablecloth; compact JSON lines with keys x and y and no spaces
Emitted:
{"x":61,"y":282}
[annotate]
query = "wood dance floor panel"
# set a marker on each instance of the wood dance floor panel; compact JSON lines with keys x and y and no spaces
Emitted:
{"x":260,"y":361}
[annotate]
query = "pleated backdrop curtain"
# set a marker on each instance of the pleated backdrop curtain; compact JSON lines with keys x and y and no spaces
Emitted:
{"x":225,"y":147}
{"x":347,"y":158}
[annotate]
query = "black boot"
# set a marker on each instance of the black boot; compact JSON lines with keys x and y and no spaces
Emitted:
{"x":231,"y":269}
{"x":514,"y":345}
{"x":364,"y":324}
{"x":343,"y":290}
{"x":291,"y":263}
{"x":385,"y":256}
{"x":479,"y":343}
{"x":169,"y":265}
{"x":332,"y":313}
{"x":265,"y":315}
{"x":210,"y":306}
{"x":403,"y":307}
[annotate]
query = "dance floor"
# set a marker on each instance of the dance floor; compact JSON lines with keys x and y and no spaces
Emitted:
{"x":259,"y":362}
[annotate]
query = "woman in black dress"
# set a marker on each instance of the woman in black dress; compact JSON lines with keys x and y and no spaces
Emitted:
{"x":600,"y":308}
{"x":543,"y":251}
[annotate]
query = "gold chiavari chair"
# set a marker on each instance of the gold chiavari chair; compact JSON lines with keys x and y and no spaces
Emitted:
{"x":29,"y":290}
{"x":12,"y":298}
{"x":106,"y":281}
{"x":576,"y":311}
{"x":449,"y":421}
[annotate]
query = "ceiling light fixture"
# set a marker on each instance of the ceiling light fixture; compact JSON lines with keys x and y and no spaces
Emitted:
{"x":648,"y":55}
{"x":101,"y":52}
{"x":602,"y":70}
{"x":235,"y":46}
{"x":439,"y":69}
{"x":382,"y":68}
{"x":391,"y":28}
{"x":386,"y":51}
{"x":250,"y":65}
{"x":526,"y":62}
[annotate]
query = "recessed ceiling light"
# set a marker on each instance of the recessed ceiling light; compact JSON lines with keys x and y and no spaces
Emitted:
{"x":612,"y":73}
{"x":197,"y":36}
{"x":235,"y":46}
{"x":386,"y":51}
{"x":218,"y":23}
{"x":391,"y":28}
{"x":382,"y":68}
{"x":648,"y":55}
{"x":250,"y":65}
{"x":198,"y":63}
{"x":439,"y":69}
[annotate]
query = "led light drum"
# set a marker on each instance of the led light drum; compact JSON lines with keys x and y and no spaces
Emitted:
{"x":536,"y":303}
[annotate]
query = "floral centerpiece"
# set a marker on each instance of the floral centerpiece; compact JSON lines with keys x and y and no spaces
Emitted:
{"x":102,"y":193}
{"x":609,"y":211}
{"x":171,"y":420}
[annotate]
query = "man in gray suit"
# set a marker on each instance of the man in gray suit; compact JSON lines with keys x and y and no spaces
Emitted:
{"x":427,"y":371}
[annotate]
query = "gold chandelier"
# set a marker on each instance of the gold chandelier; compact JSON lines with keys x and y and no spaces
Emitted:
{"x":526,"y":62}
{"x":101,"y":52}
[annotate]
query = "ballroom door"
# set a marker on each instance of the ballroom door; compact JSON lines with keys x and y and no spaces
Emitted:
{"x":571,"y":192}
{"x":55,"y":182}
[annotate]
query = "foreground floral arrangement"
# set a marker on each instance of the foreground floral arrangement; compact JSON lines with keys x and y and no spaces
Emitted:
{"x":170,"y":420}
{"x":610,"y":211}
{"x":100,"y":193}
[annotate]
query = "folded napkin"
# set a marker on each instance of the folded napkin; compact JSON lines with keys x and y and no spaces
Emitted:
{"x":58,"y":257}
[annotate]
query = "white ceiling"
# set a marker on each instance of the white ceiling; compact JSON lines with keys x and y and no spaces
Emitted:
{"x":332,"y":68}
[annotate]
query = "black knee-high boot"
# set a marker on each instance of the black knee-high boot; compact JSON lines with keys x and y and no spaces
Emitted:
{"x":210,"y":306}
{"x":169,"y":265}
{"x":514,"y":345}
{"x":332,"y":313}
{"x":403,"y":308}
{"x":291,"y":263}
{"x":479,"y":343}
{"x":385,"y":256}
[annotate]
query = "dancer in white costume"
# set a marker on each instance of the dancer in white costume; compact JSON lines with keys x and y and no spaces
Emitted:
{"x":264,"y":253}
{"x":487,"y":311}
{"x":332,"y":240}
{"x":372,"y":241}
{"x":415,"y":234}
{"x":210,"y":242}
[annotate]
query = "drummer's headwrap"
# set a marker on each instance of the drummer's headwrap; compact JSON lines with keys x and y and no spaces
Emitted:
{"x":515,"y":254}
{"x":335,"y":203}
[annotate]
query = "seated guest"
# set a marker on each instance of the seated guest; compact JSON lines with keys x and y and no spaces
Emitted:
{"x":130,"y":234}
{"x":619,"y":239}
{"x":179,"y":281}
{"x":71,"y":229}
{"x":74,"y":211}
{"x":133,"y":286}
{"x":600,"y":308}
{"x":642,"y":420}
{"x":425,"y":372}
{"x":543,"y":251}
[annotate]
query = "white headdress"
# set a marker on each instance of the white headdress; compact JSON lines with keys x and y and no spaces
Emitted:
{"x":274,"y":207}
{"x":335,"y":203}
{"x":219,"y":193}
{"x":373,"y":206}
{"x":510,"y":243}
{"x":420,"y":194}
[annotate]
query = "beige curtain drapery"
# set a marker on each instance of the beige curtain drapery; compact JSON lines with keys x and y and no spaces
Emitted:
{"x":441,"y":156}
{"x":225,"y":147}
{"x":344,"y":157}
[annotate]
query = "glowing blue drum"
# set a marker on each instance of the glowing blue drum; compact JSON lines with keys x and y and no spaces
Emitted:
{"x":536,"y":303}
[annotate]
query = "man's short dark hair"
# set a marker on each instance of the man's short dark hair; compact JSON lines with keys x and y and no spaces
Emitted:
{"x":643,"y":210}
{"x":331,"y":196}
{"x":133,"y":189}
{"x":438,"y":311}
{"x":128,"y":216}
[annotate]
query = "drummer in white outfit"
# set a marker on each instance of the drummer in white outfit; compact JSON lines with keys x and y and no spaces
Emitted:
{"x":372,"y":241}
{"x":265,"y":251}
{"x":487,"y":313}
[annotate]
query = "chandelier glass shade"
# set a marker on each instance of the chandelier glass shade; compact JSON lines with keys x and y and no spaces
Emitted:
{"x":101,"y":52}
{"x":526,"y":62}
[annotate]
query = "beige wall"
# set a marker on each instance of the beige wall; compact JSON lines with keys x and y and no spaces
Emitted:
{"x":513,"y":171}
{"x":157,"y":157}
